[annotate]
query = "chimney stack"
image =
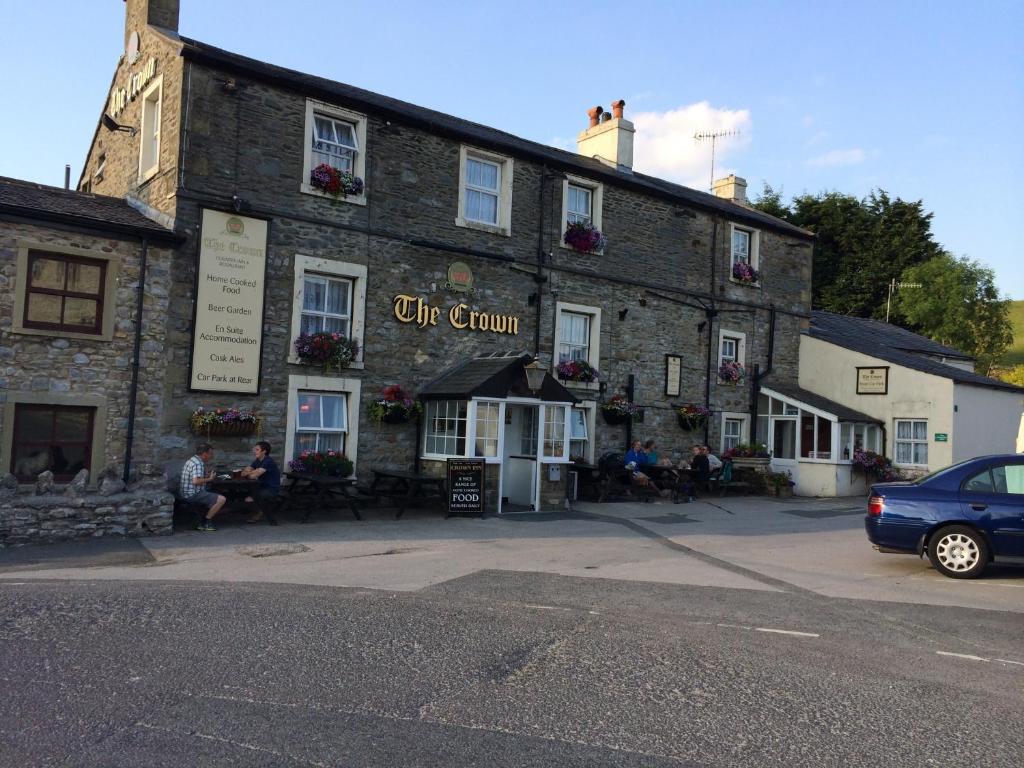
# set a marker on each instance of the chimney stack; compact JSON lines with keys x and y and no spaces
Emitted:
{"x":154,"y":13}
{"x":609,"y":137}
{"x":732,"y":187}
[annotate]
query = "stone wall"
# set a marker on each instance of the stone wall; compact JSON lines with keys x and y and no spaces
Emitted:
{"x":29,"y":519}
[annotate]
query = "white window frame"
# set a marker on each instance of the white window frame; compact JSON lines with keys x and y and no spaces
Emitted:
{"x":505,"y":169}
{"x":326,"y":385}
{"x":359,"y":121}
{"x":596,"y":204}
{"x":896,"y":440}
{"x":741,"y":346}
{"x":328,"y":268}
{"x":594,"y":353}
{"x":743,"y":418}
{"x":589,"y":410}
{"x":835,"y":433}
{"x":754,"y":241}
{"x":324,"y":430}
{"x":349,"y":286}
{"x":148,"y":170}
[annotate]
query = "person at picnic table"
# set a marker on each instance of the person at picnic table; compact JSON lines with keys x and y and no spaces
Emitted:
{"x":635,"y":458}
{"x":714,"y":463}
{"x":190,"y":485}
{"x":265,"y":470}
{"x":651,"y":451}
{"x":700,"y":467}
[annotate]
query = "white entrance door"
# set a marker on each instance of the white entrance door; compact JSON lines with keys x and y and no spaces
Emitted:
{"x":519,"y":464}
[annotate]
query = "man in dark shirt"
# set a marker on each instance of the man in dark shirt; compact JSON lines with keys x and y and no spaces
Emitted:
{"x":264,"y":469}
{"x":700,"y":469}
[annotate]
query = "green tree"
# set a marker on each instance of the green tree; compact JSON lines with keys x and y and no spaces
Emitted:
{"x":1013,"y":375}
{"x":957,"y":305}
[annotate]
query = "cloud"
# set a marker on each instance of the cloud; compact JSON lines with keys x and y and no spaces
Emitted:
{"x":664,"y":145}
{"x":836,"y":158}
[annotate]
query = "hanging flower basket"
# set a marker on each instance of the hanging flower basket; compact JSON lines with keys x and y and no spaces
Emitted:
{"x":875,"y":466}
{"x":618,"y":410}
{"x":337,"y":184}
{"x":394,"y":406}
{"x":223,"y":422}
{"x":577,"y":370}
{"x":744,"y":273}
{"x":692,"y":417}
{"x":584,"y":237}
{"x":330,"y":350}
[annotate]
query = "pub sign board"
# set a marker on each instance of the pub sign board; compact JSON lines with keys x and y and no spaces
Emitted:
{"x":227,"y":330}
{"x":873,"y":381}
{"x":466,"y":485}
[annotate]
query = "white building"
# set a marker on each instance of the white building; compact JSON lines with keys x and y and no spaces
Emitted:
{"x":867,"y":384}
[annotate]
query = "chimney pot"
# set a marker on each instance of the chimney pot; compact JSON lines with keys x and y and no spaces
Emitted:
{"x":594,"y":113}
{"x":617,"y":108}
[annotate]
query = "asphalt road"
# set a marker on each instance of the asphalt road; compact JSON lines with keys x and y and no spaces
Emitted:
{"x":499,"y":668}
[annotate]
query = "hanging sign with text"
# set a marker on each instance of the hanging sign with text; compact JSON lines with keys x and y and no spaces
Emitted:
{"x":466,"y":485}
{"x":227,"y":334}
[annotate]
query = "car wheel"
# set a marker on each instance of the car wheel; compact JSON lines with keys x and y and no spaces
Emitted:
{"x":958,"y":552}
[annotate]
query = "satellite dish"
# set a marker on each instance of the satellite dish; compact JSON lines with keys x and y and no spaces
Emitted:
{"x":133,"y":48}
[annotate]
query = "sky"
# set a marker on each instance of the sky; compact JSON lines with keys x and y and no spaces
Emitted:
{"x":924,"y":100}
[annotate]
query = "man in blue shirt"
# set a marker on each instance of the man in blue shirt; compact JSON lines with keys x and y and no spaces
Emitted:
{"x":264,"y":469}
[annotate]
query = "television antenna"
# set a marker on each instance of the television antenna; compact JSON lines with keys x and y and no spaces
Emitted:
{"x":895,"y":285}
{"x":713,"y":137}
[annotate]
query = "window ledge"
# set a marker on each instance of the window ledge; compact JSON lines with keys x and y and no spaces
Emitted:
{"x":355,"y":365}
{"x":482,"y":227}
{"x":569,"y":248}
{"x":755,"y":284}
{"x":593,"y":386}
{"x":306,"y":189}
{"x":148,"y":174}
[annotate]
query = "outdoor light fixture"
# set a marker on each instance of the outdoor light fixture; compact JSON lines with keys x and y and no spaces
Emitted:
{"x":623,"y":312}
{"x":112,"y":125}
{"x":534,"y":375}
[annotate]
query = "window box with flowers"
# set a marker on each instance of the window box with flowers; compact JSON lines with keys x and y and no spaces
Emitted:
{"x":744,"y":274}
{"x":223,"y":422}
{"x":394,"y":406}
{"x":731,"y":372}
{"x":584,"y":237}
{"x":755,"y":456}
{"x":875,"y":466}
{"x":321,"y":463}
{"x":332,"y":351}
{"x":337,"y":184}
{"x":577,"y":370}
{"x":618,"y":410}
{"x":692,"y":416}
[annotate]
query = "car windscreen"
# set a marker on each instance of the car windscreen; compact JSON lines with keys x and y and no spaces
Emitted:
{"x":939,"y":473}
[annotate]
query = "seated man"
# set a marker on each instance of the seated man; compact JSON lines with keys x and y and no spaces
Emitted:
{"x":700,"y":467}
{"x":193,"y":478}
{"x":264,"y":469}
{"x":714,"y":462}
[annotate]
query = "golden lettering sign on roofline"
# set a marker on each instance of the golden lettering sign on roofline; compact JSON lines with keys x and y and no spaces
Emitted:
{"x":120,"y":97}
{"x":413,"y":309}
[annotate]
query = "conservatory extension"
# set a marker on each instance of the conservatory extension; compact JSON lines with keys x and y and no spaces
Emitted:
{"x":814,"y":439}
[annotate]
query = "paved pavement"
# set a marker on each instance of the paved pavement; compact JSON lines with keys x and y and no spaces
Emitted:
{"x":756,"y":543}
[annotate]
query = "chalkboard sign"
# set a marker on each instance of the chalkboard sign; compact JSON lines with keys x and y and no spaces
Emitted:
{"x":466,"y":485}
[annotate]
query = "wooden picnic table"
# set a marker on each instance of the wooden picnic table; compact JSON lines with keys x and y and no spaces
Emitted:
{"x":240,"y":489}
{"x":408,"y":488}
{"x":313,"y":491}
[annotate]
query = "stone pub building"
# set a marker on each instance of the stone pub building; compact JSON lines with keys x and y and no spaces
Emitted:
{"x":444,"y":260}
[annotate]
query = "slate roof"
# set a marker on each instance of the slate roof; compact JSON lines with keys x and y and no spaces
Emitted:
{"x":29,"y":200}
{"x":479,"y":135}
{"x":821,"y":403}
{"x":897,"y":345}
{"x":496,"y":375}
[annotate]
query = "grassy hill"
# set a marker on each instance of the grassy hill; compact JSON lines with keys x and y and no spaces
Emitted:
{"x":1015,"y":354}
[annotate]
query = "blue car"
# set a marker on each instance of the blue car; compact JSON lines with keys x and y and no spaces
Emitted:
{"x":964,"y":516}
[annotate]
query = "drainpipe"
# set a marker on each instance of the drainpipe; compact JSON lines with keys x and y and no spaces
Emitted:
{"x":709,"y":314}
{"x":133,"y":391}
{"x":539,"y":278}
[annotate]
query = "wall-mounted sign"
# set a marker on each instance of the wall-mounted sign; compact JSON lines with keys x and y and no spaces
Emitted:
{"x":466,"y":485}
{"x":460,"y":278}
{"x":120,"y":97}
{"x":227,"y":333}
{"x":941,"y":437}
{"x":873,"y":381}
{"x":412,"y":309}
{"x":673,"y":370}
